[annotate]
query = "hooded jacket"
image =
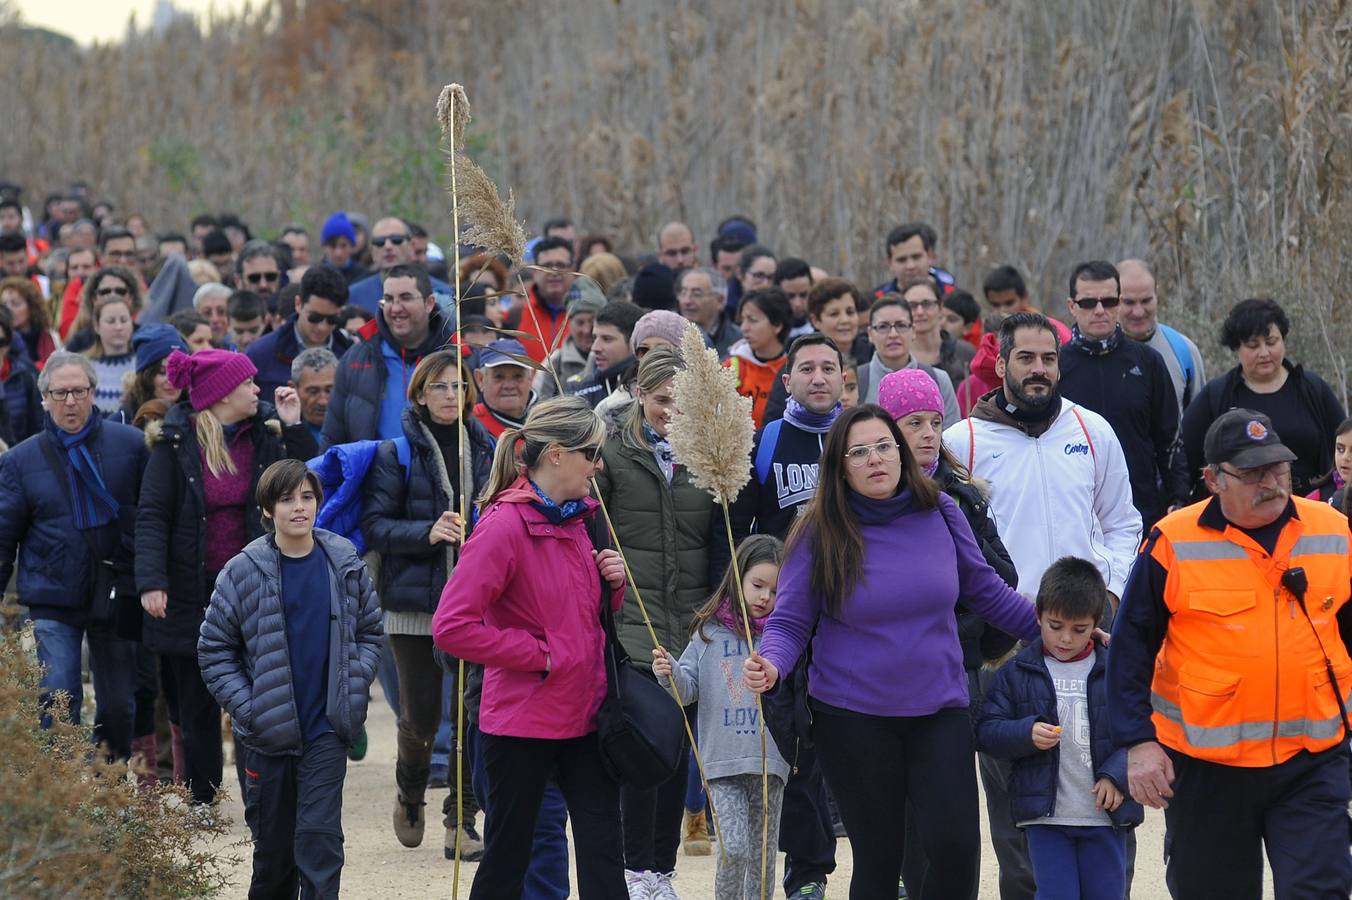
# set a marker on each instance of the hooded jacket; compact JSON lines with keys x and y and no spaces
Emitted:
{"x":527,"y":595}
{"x":983,"y":379}
{"x":769,"y":507}
{"x":1065,"y":492}
{"x":171,"y":519}
{"x":399,"y":509}
{"x":1023,"y":694}
{"x":245,"y":658}
{"x":359,"y":386}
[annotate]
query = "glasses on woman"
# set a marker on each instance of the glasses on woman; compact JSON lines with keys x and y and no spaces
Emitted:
{"x":112,"y":292}
{"x":593,"y":453}
{"x":858,"y":455}
{"x":445,"y":388}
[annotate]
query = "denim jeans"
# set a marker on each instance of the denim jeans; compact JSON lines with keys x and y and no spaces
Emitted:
{"x":112,"y":662}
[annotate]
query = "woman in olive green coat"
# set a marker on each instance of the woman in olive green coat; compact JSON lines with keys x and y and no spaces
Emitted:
{"x":667,"y":529}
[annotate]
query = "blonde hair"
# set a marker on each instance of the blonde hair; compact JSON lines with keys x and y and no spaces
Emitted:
{"x":567,"y":422}
{"x":659,"y":366}
{"x":606,"y":269}
{"x":211,"y":440}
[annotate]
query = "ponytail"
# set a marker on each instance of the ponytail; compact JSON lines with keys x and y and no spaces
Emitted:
{"x":505,"y":469}
{"x":568,"y":422}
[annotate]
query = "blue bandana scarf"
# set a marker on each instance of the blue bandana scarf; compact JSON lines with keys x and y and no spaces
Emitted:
{"x":553,"y":511}
{"x":93,"y":505}
{"x":800,"y":417}
{"x":662,"y":452}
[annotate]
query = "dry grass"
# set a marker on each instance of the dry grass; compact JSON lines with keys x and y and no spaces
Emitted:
{"x":1212,"y":138}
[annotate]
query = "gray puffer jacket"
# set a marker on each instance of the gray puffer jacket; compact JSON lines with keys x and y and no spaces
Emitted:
{"x":245,"y":660}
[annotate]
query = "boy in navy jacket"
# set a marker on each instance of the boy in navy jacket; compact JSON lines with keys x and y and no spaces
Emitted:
{"x":1047,"y":711}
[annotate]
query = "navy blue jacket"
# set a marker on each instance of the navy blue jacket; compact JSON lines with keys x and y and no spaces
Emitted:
{"x":399,"y":509}
{"x":24,"y":405}
{"x":1022,"y":694}
{"x":274,"y":352}
{"x":366,"y":293}
{"x":35,"y":520}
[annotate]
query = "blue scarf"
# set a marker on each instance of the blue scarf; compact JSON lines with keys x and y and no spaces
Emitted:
{"x":799,"y":416}
{"x":553,"y":511}
{"x":92,"y":504}
{"x":662,"y":452}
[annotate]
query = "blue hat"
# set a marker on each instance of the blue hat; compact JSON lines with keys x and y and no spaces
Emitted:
{"x":153,"y":343}
{"x":336,"y":226}
{"x":495,"y":354}
{"x":739,"y":229}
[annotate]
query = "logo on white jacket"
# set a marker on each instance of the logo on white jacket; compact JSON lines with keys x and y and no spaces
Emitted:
{"x":1072,"y":449}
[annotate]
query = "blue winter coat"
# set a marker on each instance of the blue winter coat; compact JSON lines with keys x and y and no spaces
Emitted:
{"x":35,"y":520}
{"x":274,"y":352}
{"x":22,"y":402}
{"x":342,"y":471}
{"x":245,"y":659}
{"x":1022,"y":694}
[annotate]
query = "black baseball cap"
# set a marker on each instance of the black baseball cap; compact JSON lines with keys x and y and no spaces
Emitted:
{"x":1244,"y":439}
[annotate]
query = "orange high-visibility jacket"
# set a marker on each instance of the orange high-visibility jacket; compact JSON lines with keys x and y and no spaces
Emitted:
{"x":1240,"y":679}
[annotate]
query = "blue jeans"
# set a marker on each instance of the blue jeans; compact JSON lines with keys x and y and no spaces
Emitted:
{"x":1078,"y":863}
{"x":442,"y":744}
{"x":112,"y":661}
{"x":547,"y":874}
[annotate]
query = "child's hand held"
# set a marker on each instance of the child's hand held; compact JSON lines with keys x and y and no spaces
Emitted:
{"x":1106,"y":795}
{"x":661,"y":663}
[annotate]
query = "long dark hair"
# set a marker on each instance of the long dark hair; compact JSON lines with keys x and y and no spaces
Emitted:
{"x":830,"y":526}
{"x":751,"y":552}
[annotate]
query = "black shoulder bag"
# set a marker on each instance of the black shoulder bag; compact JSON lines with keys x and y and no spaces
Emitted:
{"x":103,"y":604}
{"x":639,"y":725}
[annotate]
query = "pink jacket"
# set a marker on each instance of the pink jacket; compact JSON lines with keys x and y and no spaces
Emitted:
{"x":524,"y":587}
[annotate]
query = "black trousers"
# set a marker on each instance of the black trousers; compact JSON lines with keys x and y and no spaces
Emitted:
{"x":294,"y":808}
{"x":517,"y":770}
{"x":806,"y":834}
{"x":652,"y":817}
{"x":199,"y":721}
{"x":1222,"y":817}
{"x":874,"y":765}
{"x":420,"y":682}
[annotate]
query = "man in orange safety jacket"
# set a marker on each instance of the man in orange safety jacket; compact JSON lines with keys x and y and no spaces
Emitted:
{"x":1229,"y":673}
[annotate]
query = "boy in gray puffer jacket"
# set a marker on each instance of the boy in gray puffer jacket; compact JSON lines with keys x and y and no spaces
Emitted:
{"x":289,"y":647}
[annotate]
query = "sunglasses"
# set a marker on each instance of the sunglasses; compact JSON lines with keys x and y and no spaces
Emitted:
{"x":593,"y":453}
{"x":1088,"y":303}
{"x":315,"y":318}
{"x":395,"y":239}
{"x":260,"y":277}
{"x":112,"y":292}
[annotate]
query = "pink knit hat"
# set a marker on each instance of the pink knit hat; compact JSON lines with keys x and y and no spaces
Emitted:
{"x":209,"y":375}
{"x":909,"y":390}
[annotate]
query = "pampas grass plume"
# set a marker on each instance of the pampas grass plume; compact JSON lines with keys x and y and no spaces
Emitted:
{"x":712,"y":431}
{"x":491,"y":223}
{"x":453,"y":116}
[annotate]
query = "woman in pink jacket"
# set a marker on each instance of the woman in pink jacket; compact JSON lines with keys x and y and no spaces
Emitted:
{"x":525,"y":601}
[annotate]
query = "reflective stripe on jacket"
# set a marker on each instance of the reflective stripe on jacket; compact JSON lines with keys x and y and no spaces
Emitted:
{"x":1241,"y":679}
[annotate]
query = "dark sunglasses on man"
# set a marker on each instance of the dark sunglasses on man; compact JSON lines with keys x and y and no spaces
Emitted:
{"x":314,"y":318}
{"x":1088,"y":303}
{"x":260,"y":277}
{"x":395,"y":239}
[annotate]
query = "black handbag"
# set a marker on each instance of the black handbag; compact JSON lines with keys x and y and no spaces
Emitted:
{"x":640,"y":729}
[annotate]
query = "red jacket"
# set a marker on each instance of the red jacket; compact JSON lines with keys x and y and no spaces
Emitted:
{"x":541,"y":326}
{"x":983,"y":378}
{"x":523,"y":588}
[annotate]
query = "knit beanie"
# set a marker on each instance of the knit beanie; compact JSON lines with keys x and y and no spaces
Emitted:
{"x":209,"y":375}
{"x":653,"y":287}
{"x":589,"y":298}
{"x":153,"y":343}
{"x":336,"y":226}
{"x":909,"y":390}
{"x":658,"y":323}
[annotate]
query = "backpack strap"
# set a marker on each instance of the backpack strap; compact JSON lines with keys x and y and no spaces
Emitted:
{"x":1182,"y":353}
{"x":404,"y":452}
{"x":971,"y":444}
{"x":765,"y":453}
{"x":1079,"y":418}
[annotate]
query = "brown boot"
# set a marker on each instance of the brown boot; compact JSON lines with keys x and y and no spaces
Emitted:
{"x":697,"y":835}
{"x":409,"y":821}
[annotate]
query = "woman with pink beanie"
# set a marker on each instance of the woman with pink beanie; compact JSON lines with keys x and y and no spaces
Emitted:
{"x":198,"y":510}
{"x":912,"y":398}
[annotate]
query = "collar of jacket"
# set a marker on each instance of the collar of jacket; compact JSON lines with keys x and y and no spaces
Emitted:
{"x":1095,"y":346}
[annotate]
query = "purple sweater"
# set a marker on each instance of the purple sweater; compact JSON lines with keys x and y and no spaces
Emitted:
{"x":894,"y":649}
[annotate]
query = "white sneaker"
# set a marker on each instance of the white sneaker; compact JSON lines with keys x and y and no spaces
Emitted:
{"x":661,"y":886}
{"x":639,"y":884}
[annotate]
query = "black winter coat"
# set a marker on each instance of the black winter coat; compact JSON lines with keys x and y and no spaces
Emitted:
{"x":171,"y":520}
{"x":35,"y":520}
{"x":359,"y":385}
{"x":245,"y":658}
{"x":980,"y":641}
{"x":22,"y":402}
{"x":1022,"y":694}
{"x":399,"y":509}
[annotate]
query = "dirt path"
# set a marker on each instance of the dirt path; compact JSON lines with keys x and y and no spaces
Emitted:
{"x":379,"y":867}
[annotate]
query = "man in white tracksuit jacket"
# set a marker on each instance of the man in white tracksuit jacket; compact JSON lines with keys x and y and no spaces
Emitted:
{"x":1059,"y":486}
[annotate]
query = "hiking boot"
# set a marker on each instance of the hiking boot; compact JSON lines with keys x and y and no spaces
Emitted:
{"x":696,"y":841}
{"x":409,"y":822}
{"x":356,"y":751}
{"x":811,"y":891}
{"x":471,"y":845}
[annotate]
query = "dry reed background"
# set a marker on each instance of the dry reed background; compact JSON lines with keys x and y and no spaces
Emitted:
{"x":1211,"y":137}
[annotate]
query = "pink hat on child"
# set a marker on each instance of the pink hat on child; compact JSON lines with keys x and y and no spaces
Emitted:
{"x":909,"y":390}
{"x":208,"y":375}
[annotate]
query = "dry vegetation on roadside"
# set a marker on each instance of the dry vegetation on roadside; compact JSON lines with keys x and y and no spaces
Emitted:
{"x":1212,"y":137}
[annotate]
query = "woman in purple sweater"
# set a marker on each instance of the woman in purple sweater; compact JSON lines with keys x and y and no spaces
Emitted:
{"x":875,"y":566}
